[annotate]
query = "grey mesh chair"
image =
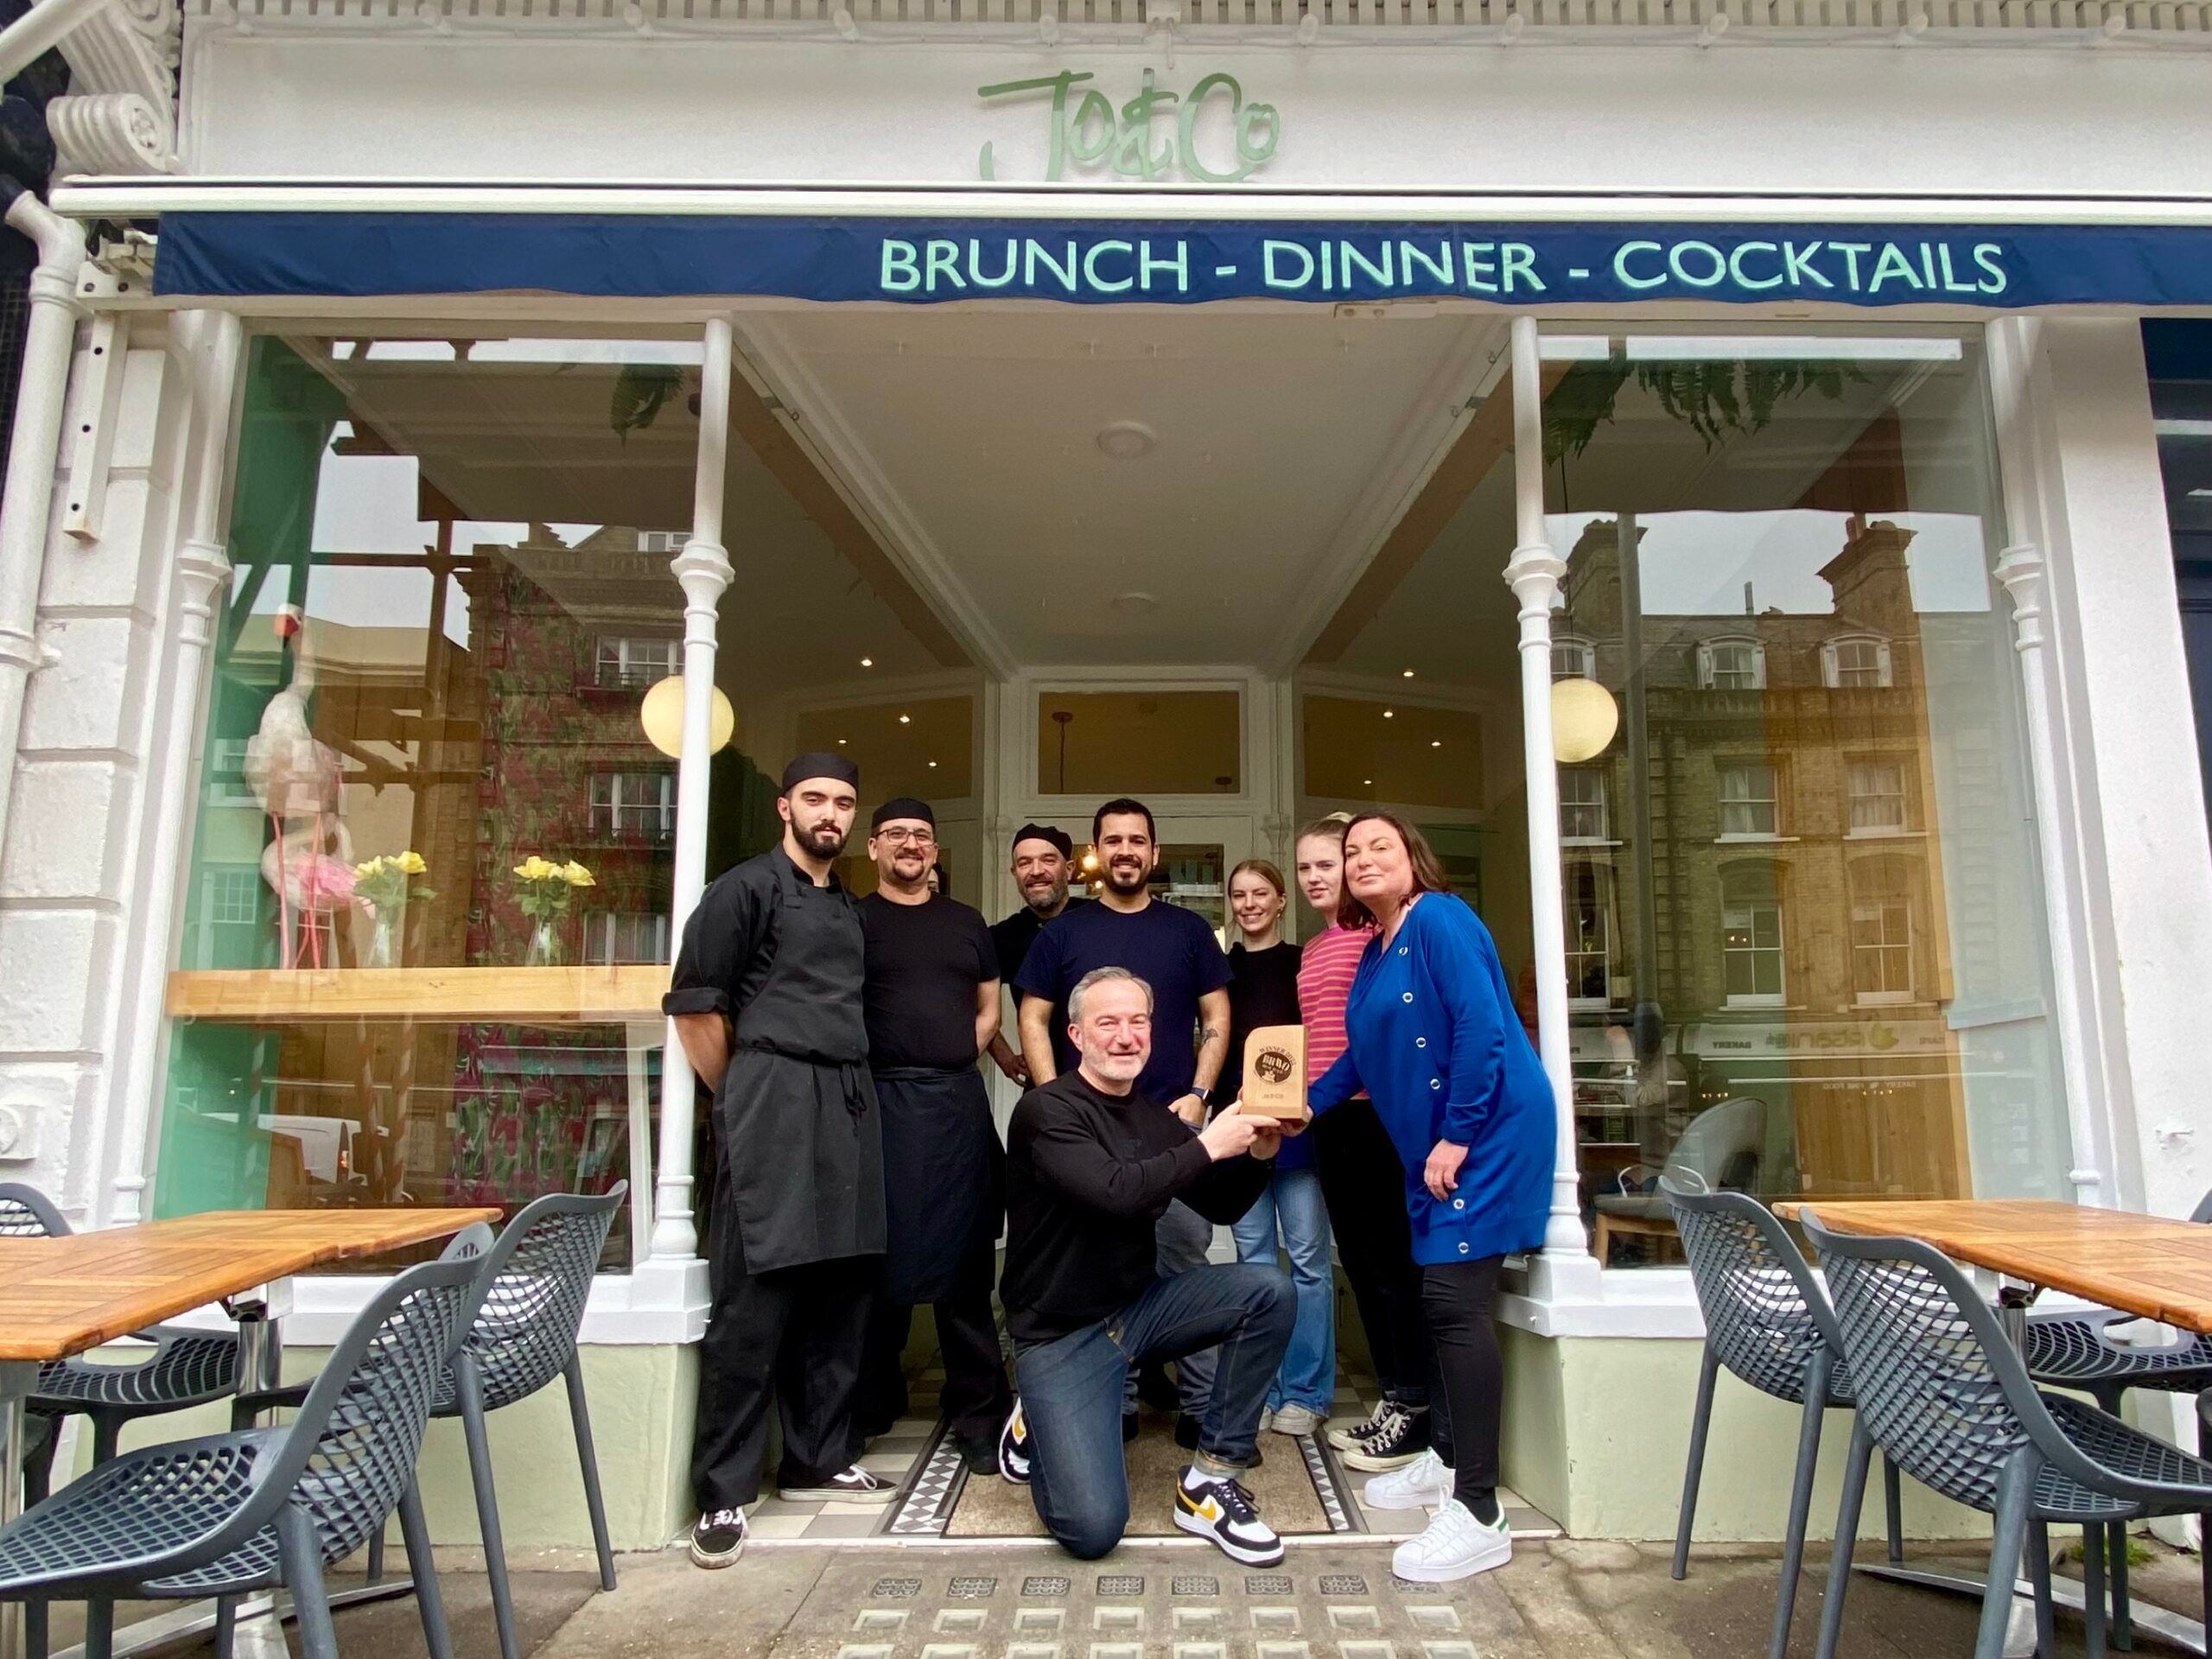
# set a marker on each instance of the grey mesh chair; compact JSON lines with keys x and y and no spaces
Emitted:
{"x":1942,"y":1391}
{"x":2075,"y":1350}
{"x":523,"y":1336}
{"x":186,"y":1367}
{"x":1767,"y":1320}
{"x":230,"y":1514}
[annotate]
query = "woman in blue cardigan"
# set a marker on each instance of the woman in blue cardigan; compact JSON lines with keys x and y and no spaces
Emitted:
{"x":1435,"y":1041}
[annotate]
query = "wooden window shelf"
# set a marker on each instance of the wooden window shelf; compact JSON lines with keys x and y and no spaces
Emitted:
{"x":543,"y":996}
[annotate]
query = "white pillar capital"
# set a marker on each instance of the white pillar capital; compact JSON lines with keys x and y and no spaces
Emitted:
{"x":702,"y":569}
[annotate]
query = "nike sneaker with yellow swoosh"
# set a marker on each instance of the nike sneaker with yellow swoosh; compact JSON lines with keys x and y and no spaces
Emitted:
{"x":1217,"y":1507}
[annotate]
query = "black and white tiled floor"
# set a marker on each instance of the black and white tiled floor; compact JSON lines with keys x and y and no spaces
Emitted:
{"x":927,"y":1469}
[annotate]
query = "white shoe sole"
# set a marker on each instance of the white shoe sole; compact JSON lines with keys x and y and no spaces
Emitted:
{"x":836,"y":1495}
{"x":1490,"y":1556}
{"x":1275,"y":1426}
{"x":1236,"y":1552}
{"x":700,"y":1558}
{"x":1429,"y":1497}
{"x":1360,"y":1457}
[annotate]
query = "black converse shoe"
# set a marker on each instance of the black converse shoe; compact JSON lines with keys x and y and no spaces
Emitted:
{"x":719,"y":1539}
{"x":1014,"y":1448}
{"x":853,"y":1486}
{"x":1215,"y":1507}
{"x":1348,"y":1438}
{"x":1402,"y":1437}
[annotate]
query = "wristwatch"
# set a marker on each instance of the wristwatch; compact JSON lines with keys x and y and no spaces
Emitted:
{"x":1205,"y":1093}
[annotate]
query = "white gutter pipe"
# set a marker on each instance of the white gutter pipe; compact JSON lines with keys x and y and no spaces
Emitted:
{"x":27,"y":498}
{"x":44,"y":27}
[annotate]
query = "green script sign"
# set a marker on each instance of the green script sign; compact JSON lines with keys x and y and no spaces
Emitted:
{"x":1091,"y":131}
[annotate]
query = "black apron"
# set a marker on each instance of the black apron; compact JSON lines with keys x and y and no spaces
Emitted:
{"x":797,"y":1112}
{"x":944,"y":1179}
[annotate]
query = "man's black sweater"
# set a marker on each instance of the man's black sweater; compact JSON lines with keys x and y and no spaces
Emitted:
{"x":1088,"y":1175}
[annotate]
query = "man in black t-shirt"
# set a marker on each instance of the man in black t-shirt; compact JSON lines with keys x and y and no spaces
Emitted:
{"x":931,"y":1006}
{"x":1093,"y":1165}
{"x":1044,"y":862}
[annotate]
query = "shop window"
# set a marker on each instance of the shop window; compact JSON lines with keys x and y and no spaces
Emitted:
{"x":1581,"y":805}
{"x":626,"y":660}
{"x":915,"y":746}
{"x":1732,"y":665}
{"x":1807,"y":515}
{"x":1146,"y":742}
{"x":633,"y":805}
{"x":1391,"y":752}
{"x":1751,"y":940}
{"x":1589,"y":903}
{"x":1855,"y":662}
{"x":1574,"y":658}
{"x":1877,"y":794}
{"x":1747,"y":802}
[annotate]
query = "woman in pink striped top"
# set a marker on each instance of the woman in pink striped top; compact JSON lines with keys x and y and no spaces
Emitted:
{"x":1362,"y":1181}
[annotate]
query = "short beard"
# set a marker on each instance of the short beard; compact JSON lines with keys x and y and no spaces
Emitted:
{"x":823,"y":840}
{"x":1053,"y":900}
{"x":1114,"y":880}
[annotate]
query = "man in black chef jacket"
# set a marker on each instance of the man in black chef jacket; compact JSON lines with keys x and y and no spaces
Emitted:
{"x":1044,"y":863}
{"x":767,"y":999}
{"x":1092,"y":1164}
{"x":932,"y":1006}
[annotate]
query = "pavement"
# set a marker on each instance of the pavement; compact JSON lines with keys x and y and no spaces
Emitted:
{"x":1558,"y":1600}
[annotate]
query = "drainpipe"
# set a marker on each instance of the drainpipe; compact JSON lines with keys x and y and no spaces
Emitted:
{"x":27,"y":498}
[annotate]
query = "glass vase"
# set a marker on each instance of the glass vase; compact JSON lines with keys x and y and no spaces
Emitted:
{"x":544,"y":947}
{"x":384,"y":940}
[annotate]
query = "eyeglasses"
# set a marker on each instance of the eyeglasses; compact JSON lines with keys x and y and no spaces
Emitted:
{"x":899,"y":837}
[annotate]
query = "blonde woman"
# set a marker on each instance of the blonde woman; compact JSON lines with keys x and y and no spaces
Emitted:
{"x":1264,"y":992}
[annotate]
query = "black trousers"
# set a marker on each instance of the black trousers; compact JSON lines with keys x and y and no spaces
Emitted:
{"x":794,"y":1334}
{"x":1468,"y":1406}
{"x":975,"y":1398}
{"x":1363,"y":1184}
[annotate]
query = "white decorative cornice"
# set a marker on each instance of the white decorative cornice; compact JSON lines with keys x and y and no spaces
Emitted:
{"x":120,"y":115}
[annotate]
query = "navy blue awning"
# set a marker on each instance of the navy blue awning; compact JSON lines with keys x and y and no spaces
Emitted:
{"x":250,"y":254}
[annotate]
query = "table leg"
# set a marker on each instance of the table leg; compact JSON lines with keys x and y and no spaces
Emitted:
{"x":18,"y":1379}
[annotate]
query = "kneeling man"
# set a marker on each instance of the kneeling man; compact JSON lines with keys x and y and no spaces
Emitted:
{"x":1091,"y":1167}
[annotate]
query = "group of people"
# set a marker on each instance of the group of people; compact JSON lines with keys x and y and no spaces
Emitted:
{"x":859,"y":1174}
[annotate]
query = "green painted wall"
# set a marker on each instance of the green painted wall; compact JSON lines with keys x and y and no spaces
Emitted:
{"x":1598,"y":1430}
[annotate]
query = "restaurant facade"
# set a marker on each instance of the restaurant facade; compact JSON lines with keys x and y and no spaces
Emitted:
{"x":1731,"y":473}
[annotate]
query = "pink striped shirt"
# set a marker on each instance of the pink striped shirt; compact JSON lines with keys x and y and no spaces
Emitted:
{"x":1326,"y":964}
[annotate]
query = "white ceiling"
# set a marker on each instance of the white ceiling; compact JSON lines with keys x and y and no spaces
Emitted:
{"x":973,"y":436}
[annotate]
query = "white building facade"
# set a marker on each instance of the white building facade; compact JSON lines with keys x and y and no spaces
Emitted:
{"x":1719,"y":442}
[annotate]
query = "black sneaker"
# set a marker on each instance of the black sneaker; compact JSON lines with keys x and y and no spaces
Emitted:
{"x":1348,"y":1438}
{"x":1014,"y":1448}
{"x":1403,"y":1436}
{"x":853,"y":1486}
{"x":1188,"y":1430}
{"x":979,"y":1452}
{"x":1217,"y":1508}
{"x":719,"y":1539}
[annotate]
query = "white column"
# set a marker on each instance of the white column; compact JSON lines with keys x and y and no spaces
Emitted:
{"x":203,"y":577}
{"x":26,"y":499}
{"x":1534,"y":573}
{"x":703,"y":569}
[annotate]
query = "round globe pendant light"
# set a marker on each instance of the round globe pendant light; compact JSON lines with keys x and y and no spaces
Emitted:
{"x":662,"y":715}
{"x":1584,"y":718}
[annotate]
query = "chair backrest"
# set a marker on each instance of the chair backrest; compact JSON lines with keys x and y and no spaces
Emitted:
{"x":537,"y":1278}
{"x":26,"y":1212}
{"x":349,"y":1454}
{"x":1765,"y":1315}
{"x":1724,"y":1144}
{"x":1939,"y":1387}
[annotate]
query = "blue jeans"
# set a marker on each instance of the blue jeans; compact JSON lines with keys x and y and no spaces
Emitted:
{"x":1292,"y":1201}
{"x":1071,"y":1390}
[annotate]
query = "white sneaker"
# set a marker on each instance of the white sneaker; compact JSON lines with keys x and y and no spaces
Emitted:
{"x":1424,"y":1483}
{"x":1456,"y":1546}
{"x":1267,"y":1419}
{"x":1295,"y":1420}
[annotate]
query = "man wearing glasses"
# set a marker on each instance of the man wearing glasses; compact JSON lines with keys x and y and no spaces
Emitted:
{"x":931,"y":1007}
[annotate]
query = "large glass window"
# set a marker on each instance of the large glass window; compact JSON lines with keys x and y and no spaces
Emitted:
{"x":1786,"y":543}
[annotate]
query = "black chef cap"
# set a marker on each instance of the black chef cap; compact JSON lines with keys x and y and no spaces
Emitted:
{"x":820,"y":763}
{"x":902,"y":806}
{"x":1059,"y":838}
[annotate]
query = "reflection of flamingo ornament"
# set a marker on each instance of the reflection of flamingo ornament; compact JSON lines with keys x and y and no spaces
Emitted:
{"x":298,"y":780}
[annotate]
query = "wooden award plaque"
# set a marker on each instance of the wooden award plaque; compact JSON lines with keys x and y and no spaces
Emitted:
{"x":1274,"y":1074}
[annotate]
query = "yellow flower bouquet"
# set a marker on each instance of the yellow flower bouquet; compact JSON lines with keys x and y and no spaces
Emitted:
{"x":385,"y":886}
{"x":547,"y":889}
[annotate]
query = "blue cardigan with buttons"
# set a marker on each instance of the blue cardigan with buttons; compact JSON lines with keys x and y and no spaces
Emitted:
{"x":1435,"y":1041}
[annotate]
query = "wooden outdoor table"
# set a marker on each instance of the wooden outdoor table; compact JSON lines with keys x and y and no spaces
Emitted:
{"x":62,"y":1296}
{"x":2145,"y":1265}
